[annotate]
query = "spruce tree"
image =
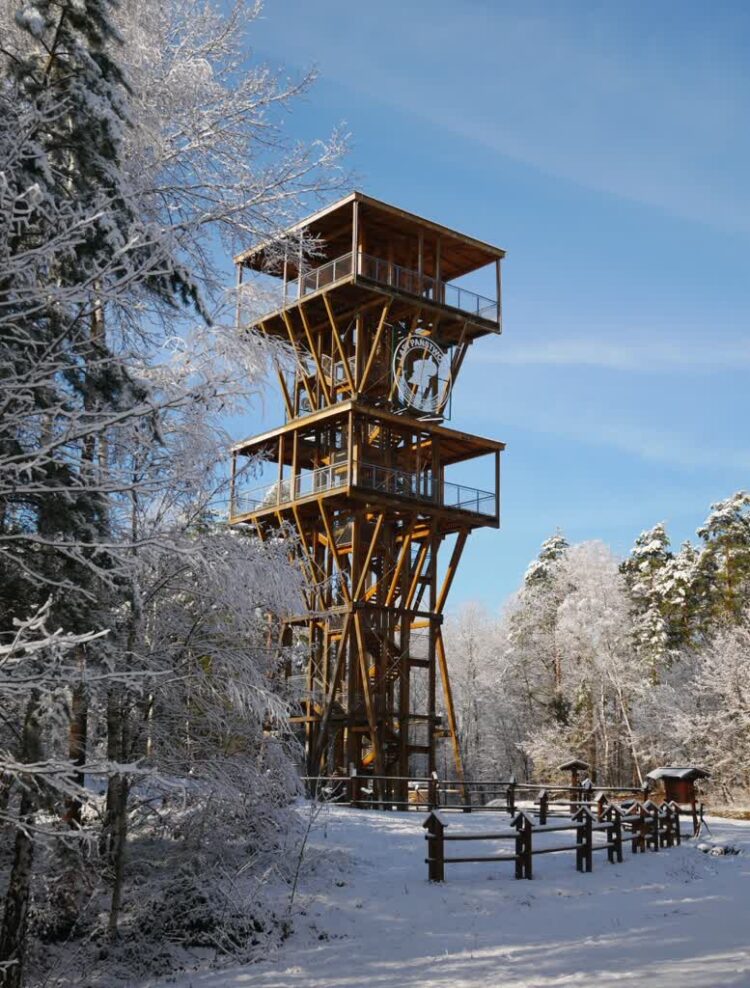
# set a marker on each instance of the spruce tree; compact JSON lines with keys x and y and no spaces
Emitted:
{"x":67,"y":377}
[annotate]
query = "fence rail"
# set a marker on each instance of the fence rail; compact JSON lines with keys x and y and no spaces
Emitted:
{"x":650,"y":825}
{"x":426,"y":793}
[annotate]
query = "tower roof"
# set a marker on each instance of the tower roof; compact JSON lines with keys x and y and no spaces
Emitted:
{"x":387,"y":227}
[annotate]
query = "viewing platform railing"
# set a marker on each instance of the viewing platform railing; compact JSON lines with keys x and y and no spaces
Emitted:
{"x":402,"y":279}
{"x":373,"y":477}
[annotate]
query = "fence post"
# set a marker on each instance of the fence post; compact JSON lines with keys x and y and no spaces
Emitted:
{"x":435,"y":847}
{"x":588,"y":835}
{"x":655,"y":829}
{"x":467,"y":797}
{"x":433,"y":797}
{"x":353,"y":786}
{"x":676,"y":819}
{"x":578,"y":818}
{"x":617,"y":832}
{"x":666,"y":825}
{"x":607,"y":816}
{"x":639,"y":829}
{"x":543,"y":805}
{"x":524,"y":828}
{"x":601,"y":803}
{"x":510,"y":795}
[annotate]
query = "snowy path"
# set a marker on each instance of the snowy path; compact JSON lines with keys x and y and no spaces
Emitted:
{"x":677,"y":917}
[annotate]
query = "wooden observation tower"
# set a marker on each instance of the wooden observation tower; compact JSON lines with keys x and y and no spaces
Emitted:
{"x":368,"y":476}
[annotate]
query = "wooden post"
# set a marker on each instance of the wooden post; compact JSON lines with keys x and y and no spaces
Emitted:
{"x":435,"y":847}
{"x":433,"y":791}
{"x":668,"y":832}
{"x":510,"y":796}
{"x":499,"y":290}
{"x":601,"y":805}
{"x":524,"y":828}
{"x":617,"y":832}
{"x":438,"y":272}
{"x":232,"y":486}
{"x":355,"y":237}
{"x":654,"y":835}
{"x":676,"y":822}
{"x":588,"y":840}
{"x":639,"y":830}
{"x":353,"y":786}
{"x":543,"y":804}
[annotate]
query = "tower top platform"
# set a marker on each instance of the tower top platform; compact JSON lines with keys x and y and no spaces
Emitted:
{"x":385,"y":231}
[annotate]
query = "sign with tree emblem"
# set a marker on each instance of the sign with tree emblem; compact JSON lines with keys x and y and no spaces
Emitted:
{"x":421,"y":370}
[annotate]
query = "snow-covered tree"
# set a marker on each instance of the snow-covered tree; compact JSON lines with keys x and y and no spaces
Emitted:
{"x":725,"y":561}
{"x":129,"y":156}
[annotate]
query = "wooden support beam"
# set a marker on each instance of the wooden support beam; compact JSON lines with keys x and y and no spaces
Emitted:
{"x":450,"y":709}
{"x":338,"y":344}
{"x":402,"y":557}
{"x":232,"y":483}
{"x":300,"y":363}
{"x":332,"y":687}
{"x":458,"y":548}
{"x":418,"y":567}
{"x":279,"y":373}
{"x":499,"y":290}
{"x":374,"y":348}
{"x":314,"y":353}
{"x":334,"y":553}
{"x":369,"y":707}
{"x":368,"y":557}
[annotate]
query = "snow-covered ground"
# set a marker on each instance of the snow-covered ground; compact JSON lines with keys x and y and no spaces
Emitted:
{"x":676,"y":917}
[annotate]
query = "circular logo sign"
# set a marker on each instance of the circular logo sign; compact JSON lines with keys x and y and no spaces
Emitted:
{"x":422,"y":375}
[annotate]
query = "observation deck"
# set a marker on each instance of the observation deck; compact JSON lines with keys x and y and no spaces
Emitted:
{"x":361,"y":250}
{"x":335,"y":455}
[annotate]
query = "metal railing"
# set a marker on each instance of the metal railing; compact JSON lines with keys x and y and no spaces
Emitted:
{"x":386,"y":480}
{"x":432,"y":289}
{"x":468,"y":499}
{"x":390,"y":481}
{"x":271,"y":495}
{"x":402,"y":279}
{"x":326,"y":274}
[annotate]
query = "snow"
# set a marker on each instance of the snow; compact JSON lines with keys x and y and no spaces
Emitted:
{"x":369,"y":916}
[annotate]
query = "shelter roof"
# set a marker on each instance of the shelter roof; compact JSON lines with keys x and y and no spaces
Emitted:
{"x":686,"y":772}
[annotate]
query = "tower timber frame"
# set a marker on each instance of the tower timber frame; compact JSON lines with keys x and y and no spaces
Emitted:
{"x":360,"y":473}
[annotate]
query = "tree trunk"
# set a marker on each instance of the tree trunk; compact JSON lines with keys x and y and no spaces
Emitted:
{"x":15,"y":914}
{"x":114,"y":834}
{"x":77,"y":746}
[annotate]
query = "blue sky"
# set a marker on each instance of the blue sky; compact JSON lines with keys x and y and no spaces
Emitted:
{"x":607,"y":148}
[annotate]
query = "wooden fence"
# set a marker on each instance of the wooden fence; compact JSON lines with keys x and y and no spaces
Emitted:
{"x":427,"y":793}
{"x":646,"y":825}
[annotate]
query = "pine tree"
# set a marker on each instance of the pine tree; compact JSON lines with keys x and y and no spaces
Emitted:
{"x":726,"y":556}
{"x":645,"y":571}
{"x":64,"y":84}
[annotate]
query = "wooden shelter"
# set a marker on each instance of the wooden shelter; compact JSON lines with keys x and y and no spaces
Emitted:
{"x":370,"y":335}
{"x":679,"y":787}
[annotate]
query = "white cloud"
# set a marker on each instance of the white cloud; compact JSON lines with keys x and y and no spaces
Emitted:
{"x":579,"y":93}
{"x":639,"y":355}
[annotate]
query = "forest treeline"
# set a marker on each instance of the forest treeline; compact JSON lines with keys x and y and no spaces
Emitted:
{"x":629,"y":664}
{"x":140,"y":146}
